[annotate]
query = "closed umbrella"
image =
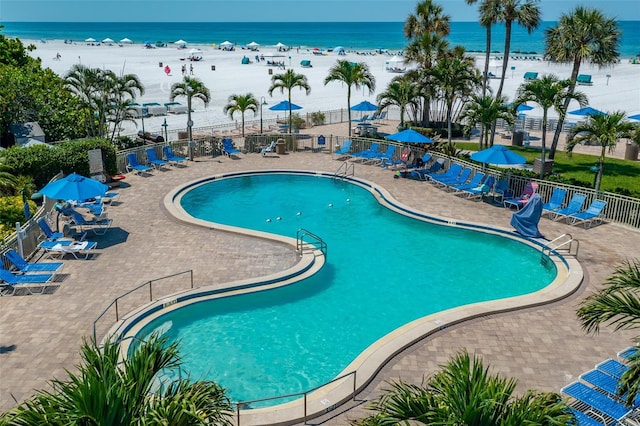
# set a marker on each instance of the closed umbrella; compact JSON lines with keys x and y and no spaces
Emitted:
{"x":409,"y":136}
{"x":498,"y":154}
{"x":586,"y":111}
{"x":74,"y":187}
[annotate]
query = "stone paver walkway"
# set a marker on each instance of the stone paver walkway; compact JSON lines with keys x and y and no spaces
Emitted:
{"x":544,"y":348}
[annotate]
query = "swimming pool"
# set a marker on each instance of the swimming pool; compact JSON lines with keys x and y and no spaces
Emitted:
{"x":383,"y":270}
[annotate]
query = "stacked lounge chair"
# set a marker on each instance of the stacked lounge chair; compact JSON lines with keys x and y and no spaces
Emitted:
{"x":589,"y":216}
{"x":154,"y":160}
{"x":344,"y":150}
{"x":481,"y":190}
{"x":574,"y":206}
{"x":168,"y":154}
{"x":12,"y":281}
{"x":366,"y":153}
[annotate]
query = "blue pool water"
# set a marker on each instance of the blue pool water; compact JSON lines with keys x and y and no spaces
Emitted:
{"x":382,"y":271}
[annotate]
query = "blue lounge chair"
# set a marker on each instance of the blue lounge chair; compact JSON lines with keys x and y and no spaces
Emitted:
{"x":24,"y":266}
{"x":154,"y":160}
{"x":383,"y":156}
{"x":502,"y":191}
{"x":606,"y":383}
{"x":367,"y":153}
{"x":596,"y":400}
{"x":394,"y":163}
{"x":11,"y":281}
{"x":628,"y":352}
{"x":423,"y":174}
{"x":519,"y":202}
{"x":344,"y":149}
{"x":585,"y":419}
{"x":453,"y":179}
{"x":613,"y":368}
{"x":97,"y":226}
{"x":452,"y":172}
{"x":364,"y":119}
{"x":574,"y":206}
{"x":556,"y":200}
{"x":584,"y":80}
{"x":479,"y":191}
{"x":270,"y":148}
{"x":134,"y":165}
{"x":48,"y":232}
{"x":60,"y":248}
{"x":167,"y":151}
{"x":475,"y":181}
{"x":589,"y":216}
{"x":228,"y":149}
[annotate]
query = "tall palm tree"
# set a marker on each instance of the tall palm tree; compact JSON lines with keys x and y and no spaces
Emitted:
{"x":455,"y":78}
{"x":526,"y":14}
{"x":123,"y":92}
{"x":605,"y":130}
{"x":352,"y":74}
{"x":584,"y":34}
{"x":241,"y":104}
{"x":618,"y":305}
{"x":485,"y":110}
{"x":191,"y":88}
{"x":112,"y":390}
{"x":548,"y":92}
{"x":464,"y":392}
{"x":86,"y":84}
{"x":401,"y":92}
{"x":289,"y":81}
{"x":489,"y":11}
{"x":428,"y":17}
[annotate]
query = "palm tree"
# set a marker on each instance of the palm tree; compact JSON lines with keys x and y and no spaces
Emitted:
{"x":112,"y":390}
{"x":525,"y":14}
{"x":289,"y":81}
{"x":401,"y":92}
{"x":489,"y":10}
{"x":464,"y":392}
{"x":86,"y":84}
{"x":548,"y":92}
{"x":241,"y":103}
{"x":190,"y":87}
{"x":455,"y":78}
{"x":617,"y":304}
{"x":485,"y":110}
{"x":124,"y":90}
{"x":429,"y":17}
{"x":605,"y":130}
{"x":356,"y":75}
{"x":583,"y":34}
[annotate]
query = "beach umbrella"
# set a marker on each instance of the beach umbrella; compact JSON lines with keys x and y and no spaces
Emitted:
{"x":498,"y":154}
{"x":126,"y":41}
{"x":195,"y":52}
{"x":90,"y":40}
{"x":586,"y":111}
{"x":226,"y":44}
{"x":253,"y":45}
{"x":108,"y":40}
{"x":635,"y":117}
{"x":364,"y":106}
{"x":409,"y":136}
{"x":281,"y":45}
{"x":180,"y":42}
{"x":284,"y":106}
{"x":74,"y":187}
{"x":524,"y":107}
{"x":338,"y":49}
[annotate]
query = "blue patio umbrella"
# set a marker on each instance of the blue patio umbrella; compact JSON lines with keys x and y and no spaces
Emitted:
{"x":498,"y":154}
{"x":285,"y":106}
{"x":524,"y":107}
{"x":74,"y":187}
{"x":409,"y":136}
{"x":635,"y":117}
{"x":586,"y":111}
{"x":364,"y":106}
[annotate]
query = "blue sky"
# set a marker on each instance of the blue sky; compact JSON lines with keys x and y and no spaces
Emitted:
{"x":267,"y":10}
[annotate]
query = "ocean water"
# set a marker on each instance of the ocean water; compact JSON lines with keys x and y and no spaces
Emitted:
{"x":351,"y":35}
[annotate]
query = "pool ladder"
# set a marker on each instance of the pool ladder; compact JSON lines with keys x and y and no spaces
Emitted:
{"x":316,"y":242}
{"x":564,"y":244}
{"x":349,"y":170}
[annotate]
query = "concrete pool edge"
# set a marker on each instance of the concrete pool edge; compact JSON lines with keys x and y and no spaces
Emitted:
{"x":368,"y":363}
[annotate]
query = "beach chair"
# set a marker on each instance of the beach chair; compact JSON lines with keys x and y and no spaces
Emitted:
{"x":593,"y":214}
{"x":154,"y":160}
{"x":383,"y":156}
{"x":270,"y":148}
{"x":228,"y":149}
{"x":475,"y":181}
{"x":344,"y":150}
{"x":364,"y":119}
{"x":584,"y":80}
{"x":518,"y":202}
{"x":47,"y":231}
{"x":606,"y":383}
{"x":381,"y":117}
{"x":25,"y":267}
{"x":574,"y":206}
{"x":60,"y":248}
{"x":423,"y":174}
{"x":555,"y":202}
{"x":11,"y":281}
{"x":585,"y":419}
{"x":367,"y":153}
{"x":596,"y":400}
{"x":479,"y":191}
{"x":529,"y":76}
{"x":450,"y":175}
{"x":97,"y":226}
{"x":628,"y":352}
{"x":502,"y":190}
{"x":456,"y":180}
{"x":613,"y":368}
{"x":168,"y":154}
{"x":134,"y":165}
{"x":394,"y":163}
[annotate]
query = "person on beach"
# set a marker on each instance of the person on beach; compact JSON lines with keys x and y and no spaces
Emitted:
{"x":191,"y":69}
{"x":167,"y":70}
{"x":184,"y":69}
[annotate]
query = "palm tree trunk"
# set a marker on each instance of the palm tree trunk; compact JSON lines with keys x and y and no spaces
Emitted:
{"x":570,"y":91}
{"x":505,"y":62}
{"x":600,"y":170}
{"x":243,"y":124}
{"x":544,"y":141}
{"x":349,"y":110}
{"x":485,"y":79}
{"x":449,"y":108}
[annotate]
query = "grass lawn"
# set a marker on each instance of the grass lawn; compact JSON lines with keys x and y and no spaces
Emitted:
{"x":617,"y":173}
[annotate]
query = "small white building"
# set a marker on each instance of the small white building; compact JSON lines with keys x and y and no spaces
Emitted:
{"x":27,"y":134}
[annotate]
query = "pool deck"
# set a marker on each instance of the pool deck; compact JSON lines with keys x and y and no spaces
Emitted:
{"x":544,"y":348}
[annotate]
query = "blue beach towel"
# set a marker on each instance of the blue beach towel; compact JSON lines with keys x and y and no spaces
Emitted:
{"x":526,"y":220}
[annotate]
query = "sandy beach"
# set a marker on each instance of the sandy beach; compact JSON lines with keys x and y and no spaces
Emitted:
{"x":615,"y":88}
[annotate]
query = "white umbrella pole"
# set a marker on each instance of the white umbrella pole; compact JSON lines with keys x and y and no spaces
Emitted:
{"x":20,"y":236}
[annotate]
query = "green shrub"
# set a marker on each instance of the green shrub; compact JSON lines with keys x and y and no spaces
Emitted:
{"x":12,"y":211}
{"x":317,"y":118}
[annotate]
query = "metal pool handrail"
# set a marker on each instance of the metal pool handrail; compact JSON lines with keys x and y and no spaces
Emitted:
{"x":319,"y":243}
{"x":240,"y":404}
{"x":149,"y":283}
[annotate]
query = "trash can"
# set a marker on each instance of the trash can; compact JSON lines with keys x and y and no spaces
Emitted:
{"x":517,"y":138}
{"x":270,"y":71}
{"x":280,"y":146}
{"x":160,"y":64}
{"x":631,"y":152}
{"x":213,"y":67}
